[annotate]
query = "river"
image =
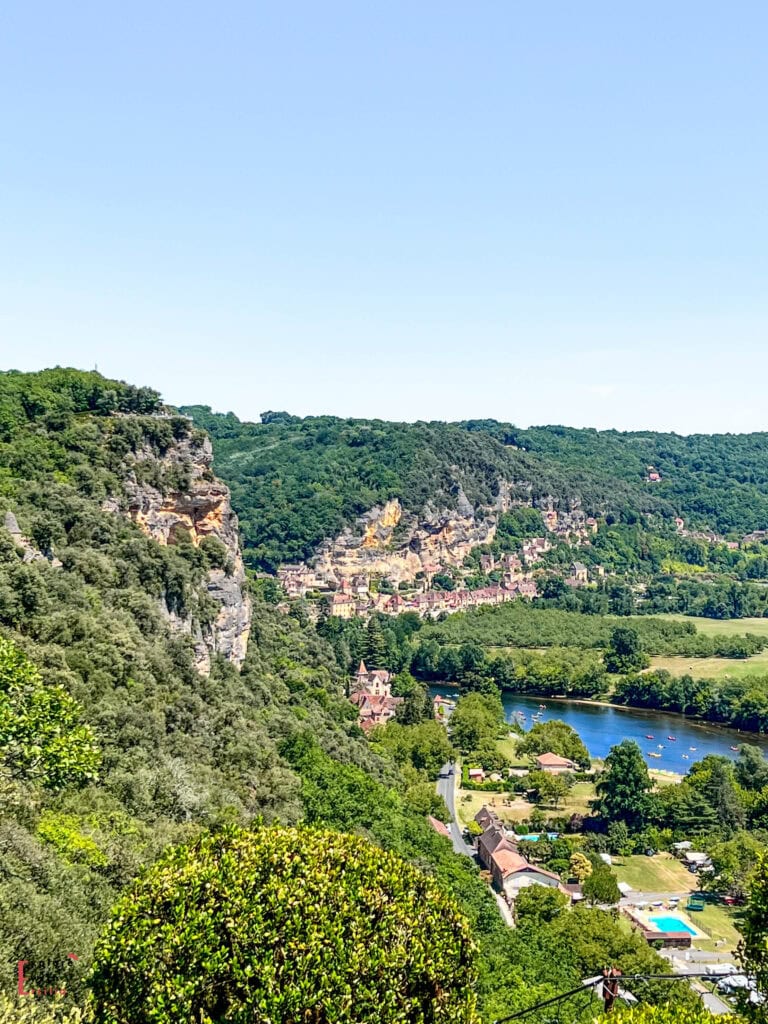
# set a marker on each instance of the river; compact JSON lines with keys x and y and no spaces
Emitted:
{"x":602,"y":727}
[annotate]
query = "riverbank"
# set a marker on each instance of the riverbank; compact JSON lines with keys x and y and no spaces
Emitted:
{"x":692,"y":720}
{"x":670,"y":742}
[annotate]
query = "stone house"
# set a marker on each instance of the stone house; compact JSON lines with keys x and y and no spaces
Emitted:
{"x":376,"y":682}
{"x":493,"y":840}
{"x":344,"y":606}
{"x":511,"y":872}
{"x":485,"y":817}
{"x":553,"y":764}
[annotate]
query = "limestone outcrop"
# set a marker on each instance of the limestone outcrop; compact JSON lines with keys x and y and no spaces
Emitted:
{"x":197,"y":507}
{"x":391,"y":542}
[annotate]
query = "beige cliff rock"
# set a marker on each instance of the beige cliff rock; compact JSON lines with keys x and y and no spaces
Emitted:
{"x":436,"y":538}
{"x":202,"y":510}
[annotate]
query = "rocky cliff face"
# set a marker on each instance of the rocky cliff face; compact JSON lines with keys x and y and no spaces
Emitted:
{"x":392,"y":543}
{"x":199,"y":509}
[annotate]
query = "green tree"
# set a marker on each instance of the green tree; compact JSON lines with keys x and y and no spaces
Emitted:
{"x":417,"y":705}
{"x":714,"y":777}
{"x":751,"y":768}
{"x":550,"y":789}
{"x":733,"y":862}
{"x":624,"y":787}
{"x":601,"y":886}
{"x":556,"y":737}
{"x":536,"y":905}
{"x":673,"y":1012}
{"x":41,"y":735}
{"x":422,"y":798}
{"x":618,"y":838}
{"x":686,"y":810}
{"x":284,"y":924}
{"x":478,"y":718}
{"x":425,"y":746}
{"x":625,"y":652}
{"x":753,"y":948}
{"x":375,"y":646}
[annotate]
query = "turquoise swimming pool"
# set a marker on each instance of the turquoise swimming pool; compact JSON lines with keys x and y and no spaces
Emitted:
{"x":669,"y":923}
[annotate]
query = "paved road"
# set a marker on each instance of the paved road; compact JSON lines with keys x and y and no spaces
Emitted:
{"x":446,"y":788}
{"x":713,"y":1003}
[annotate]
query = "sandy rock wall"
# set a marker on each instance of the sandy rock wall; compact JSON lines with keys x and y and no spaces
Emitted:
{"x":203,"y":509}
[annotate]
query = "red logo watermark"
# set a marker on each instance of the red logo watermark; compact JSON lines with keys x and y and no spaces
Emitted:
{"x":49,"y":991}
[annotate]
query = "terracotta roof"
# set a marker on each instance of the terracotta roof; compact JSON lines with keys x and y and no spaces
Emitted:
{"x":554,"y":761}
{"x":362,"y":671}
{"x":439,"y":827}
{"x":493,"y":841}
{"x":509,"y":861}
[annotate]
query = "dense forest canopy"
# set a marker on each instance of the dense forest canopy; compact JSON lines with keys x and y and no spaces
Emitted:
{"x":297,"y":481}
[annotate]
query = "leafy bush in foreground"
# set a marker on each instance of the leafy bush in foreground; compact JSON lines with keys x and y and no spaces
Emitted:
{"x":284,"y":924}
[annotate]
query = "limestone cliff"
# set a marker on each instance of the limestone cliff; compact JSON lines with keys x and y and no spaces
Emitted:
{"x":197,"y":507}
{"x":390,"y":542}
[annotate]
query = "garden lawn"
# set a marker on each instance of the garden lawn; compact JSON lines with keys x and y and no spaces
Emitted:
{"x":719,"y":922}
{"x":469,"y":802}
{"x":661,"y":873}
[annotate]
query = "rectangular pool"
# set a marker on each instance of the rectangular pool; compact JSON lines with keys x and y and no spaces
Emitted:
{"x":668,"y":923}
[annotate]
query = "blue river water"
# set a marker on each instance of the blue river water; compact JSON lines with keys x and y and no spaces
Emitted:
{"x":601,"y":727}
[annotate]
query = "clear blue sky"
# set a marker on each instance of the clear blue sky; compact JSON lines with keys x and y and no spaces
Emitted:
{"x":539,"y":212}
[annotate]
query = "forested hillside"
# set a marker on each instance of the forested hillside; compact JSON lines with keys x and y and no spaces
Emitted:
{"x":718,"y":480}
{"x":82,"y":598}
{"x":296,"y":482}
{"x":113,"y":746}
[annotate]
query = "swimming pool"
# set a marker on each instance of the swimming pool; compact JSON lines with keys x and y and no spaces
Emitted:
{"x":668,"y":923}
{"x":534,"y":837}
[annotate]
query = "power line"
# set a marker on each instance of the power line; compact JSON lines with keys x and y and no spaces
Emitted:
{"x":592,"y":984}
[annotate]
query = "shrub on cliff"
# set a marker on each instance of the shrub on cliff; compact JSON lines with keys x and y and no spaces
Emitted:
{"x":284,"y":924}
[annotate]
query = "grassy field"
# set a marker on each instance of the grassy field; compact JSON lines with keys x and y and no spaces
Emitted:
{"x":511,"y":807}
{"x":714,"y":668}
{"x":717,"y":627}
{"x":508,"y":747}
{"x":661,"y":873}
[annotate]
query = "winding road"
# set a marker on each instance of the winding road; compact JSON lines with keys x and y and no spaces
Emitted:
{"x":446,"y":787}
